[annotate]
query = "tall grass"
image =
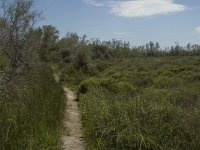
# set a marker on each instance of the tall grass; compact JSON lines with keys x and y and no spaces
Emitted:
{"x":31,"y":113}
{"x":150,"y":103}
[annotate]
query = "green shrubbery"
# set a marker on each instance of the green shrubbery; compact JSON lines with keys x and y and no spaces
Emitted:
{"x":31,"y":112}
{"x":86,"y":84}
{"x":31,"y":102}
{"x":146,"y":105}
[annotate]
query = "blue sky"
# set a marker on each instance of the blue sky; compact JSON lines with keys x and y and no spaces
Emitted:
{"x":136,"y":21}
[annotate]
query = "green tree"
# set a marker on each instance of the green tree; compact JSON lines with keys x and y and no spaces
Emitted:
{"x":17,"y":18}
{"x":49,"y":37}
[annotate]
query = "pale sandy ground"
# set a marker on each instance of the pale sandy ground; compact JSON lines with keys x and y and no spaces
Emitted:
{"x":72,"y":140}
{"x":72,"y":135}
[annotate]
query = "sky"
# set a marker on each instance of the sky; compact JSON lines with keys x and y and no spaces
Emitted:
{"x":134,"y":21}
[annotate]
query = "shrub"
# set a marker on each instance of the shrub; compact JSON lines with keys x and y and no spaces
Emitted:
{"x":195,"y":77}
{"x":109,"y":84}
{"x":86,"y":84}
{"x":127,"y":89}
{"x":185,"y":98}
{"x":142,"y":79}
{"x":66,"y":55}
{"x":165,"y":72}
{"x":81,"y":61}
{"x":143,"y":104}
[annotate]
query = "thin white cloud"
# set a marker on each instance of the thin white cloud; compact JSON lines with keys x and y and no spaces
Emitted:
{"x":197,"y":29}
{"x":139,"y":8}
{"x":94,"y":3}
{"x":144,"y":8}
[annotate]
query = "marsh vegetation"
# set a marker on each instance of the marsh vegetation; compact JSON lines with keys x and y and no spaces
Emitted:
{"x":145,"y":97}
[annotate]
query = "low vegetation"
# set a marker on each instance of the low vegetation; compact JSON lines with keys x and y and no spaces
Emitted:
{"x":141,"y":103}
{"x":31,"y":112}
{"x":133,"y":98}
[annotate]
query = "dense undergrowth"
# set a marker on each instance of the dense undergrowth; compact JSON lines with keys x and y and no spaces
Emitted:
{"x":140,"y":103}
{"x":31,"y":111}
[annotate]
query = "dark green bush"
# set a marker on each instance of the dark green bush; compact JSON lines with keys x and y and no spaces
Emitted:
{"x":81,"y":61}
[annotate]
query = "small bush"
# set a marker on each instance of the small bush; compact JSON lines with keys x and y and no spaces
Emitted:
{"x":143,"y":79}
{"x":165,"y":72}
{"x":127,"y":89}
{"x":81,"y":61}
{"x":86,"y":84}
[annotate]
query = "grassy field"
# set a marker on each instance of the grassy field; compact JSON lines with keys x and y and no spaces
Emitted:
{"x":31,"y":112}
{"x":140,"y":103}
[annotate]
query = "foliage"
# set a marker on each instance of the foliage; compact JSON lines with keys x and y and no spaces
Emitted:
{"x":81,"y":61}
{"x":130,"y":97}
{"x":31,"y":113}
{"x":16,"y":20}
{"x":140,"y":103}
{"x":49,"y":37}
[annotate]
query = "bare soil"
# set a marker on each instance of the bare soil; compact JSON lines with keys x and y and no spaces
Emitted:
{"x":72,"y":138}
{"x":72,"y":135}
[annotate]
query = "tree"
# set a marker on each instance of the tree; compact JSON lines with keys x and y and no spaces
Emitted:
{"x":81,"y":61}
{"x":70,"y":41}
{"x":71,"y":45}
{"x":100,"y":52}
{"x":157,"y":47}
{"x":49,"y":37}
{"x":188,"y":47}
{"x":17,"y":19}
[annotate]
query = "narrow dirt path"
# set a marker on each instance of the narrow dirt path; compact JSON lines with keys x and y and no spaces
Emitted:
{"x":72,"y":136}
{"x":72,"y":139}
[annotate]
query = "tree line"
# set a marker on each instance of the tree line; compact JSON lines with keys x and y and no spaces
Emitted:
{"x":23,"y":44}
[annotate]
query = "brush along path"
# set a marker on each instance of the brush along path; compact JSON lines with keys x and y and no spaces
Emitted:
{"x":72,"y":140}
{"x":72,"y":137}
